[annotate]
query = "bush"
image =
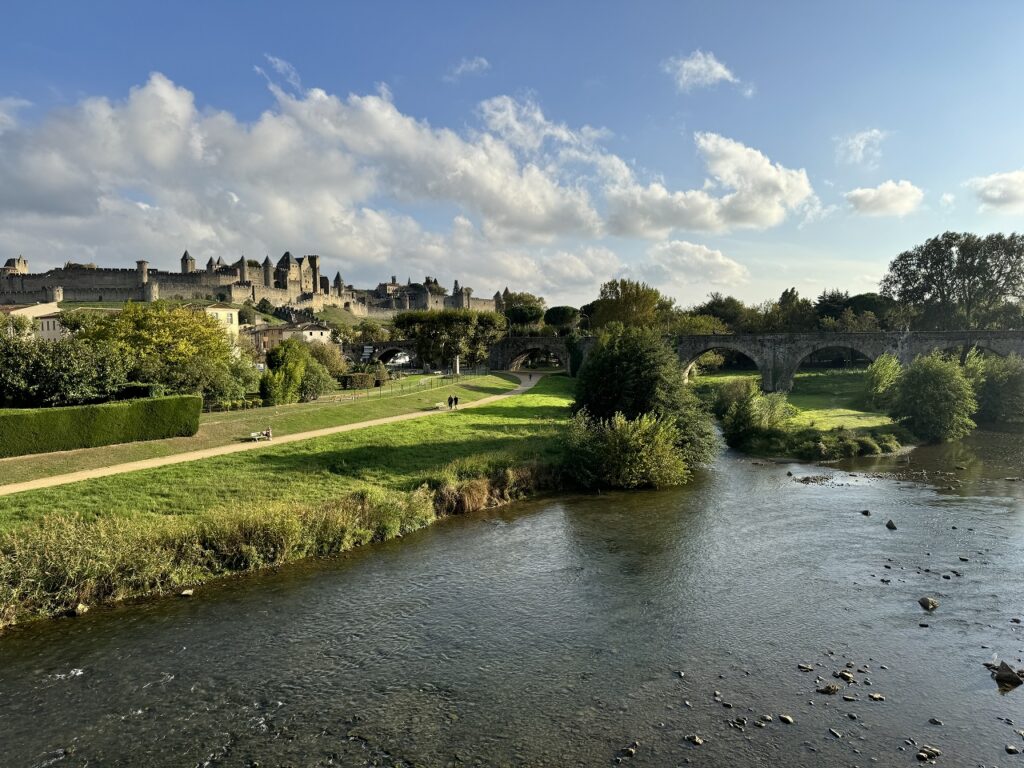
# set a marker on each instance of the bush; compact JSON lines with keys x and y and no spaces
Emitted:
{"x":746,"y":409}
{"x":882,"y":377}
{"x":999,"y":389}
{"x":633,"y":371}
{"x":316,"y":381}
{"x":623,"y":453}
{"x":358,"y":380}
{"x":934,"y":399}
{"x":41,"y":430}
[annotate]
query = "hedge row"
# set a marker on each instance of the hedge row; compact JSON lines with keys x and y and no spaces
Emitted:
{"x":41,"y":430}
{"x":358,"y":380}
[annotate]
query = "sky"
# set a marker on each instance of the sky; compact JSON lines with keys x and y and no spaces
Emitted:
{"x":735,"y":147}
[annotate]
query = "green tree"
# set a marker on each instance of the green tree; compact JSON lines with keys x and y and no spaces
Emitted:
{"x":880,"y":382}
{"x":728,"y":309}
{"x":182,"y":348}
{"x":441,"y":336}
{"x":316,"y":381}
{"x":958,"y":279}
{"x":247,"y":314}
{"x":523,"y":308}
{"x":330,"y":357}
{"x":631,"y":303}
{"x":633,"y":371}
{"x":562,"y":317}
{"x":999,"y":387}
{"x":934,"y":399}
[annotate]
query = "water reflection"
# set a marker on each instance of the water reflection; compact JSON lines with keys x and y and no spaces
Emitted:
{"x":554,"y":633}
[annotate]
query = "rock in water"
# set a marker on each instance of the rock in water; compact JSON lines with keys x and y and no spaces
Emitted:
{"x":1006,"y":675}
{"x":891,"y":525}
{"x":694,"y":739}
{"x":829,"y":690}
{"x":928,"y":603}
{"x":786,"y":719}
{"x":866,"y":512}
{"x":187,"y":592}
{"x":81,"y":609}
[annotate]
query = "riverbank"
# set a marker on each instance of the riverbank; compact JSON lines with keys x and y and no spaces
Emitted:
{"x":829,"y":420}
{"x":158,"y":531}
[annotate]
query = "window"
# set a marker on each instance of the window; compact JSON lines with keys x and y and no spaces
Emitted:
{"x":229,"y":319}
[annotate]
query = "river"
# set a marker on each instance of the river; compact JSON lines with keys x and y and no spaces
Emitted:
{"x":554,"y":633}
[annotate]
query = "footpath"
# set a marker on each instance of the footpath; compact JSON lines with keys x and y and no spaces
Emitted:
{"x":223,"y":450}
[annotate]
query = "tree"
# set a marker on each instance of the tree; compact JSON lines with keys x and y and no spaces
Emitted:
{"x":523,"y":308}
{"x":316,"y":381}
{"x":371,"y":332}
{"x":247,"y":314}
{"x":441,"y":336}
{"x":264,"y":306}
{"x":934,"y":399}
{"x":631,"y":303}
{"x":958,"y":279}
{"x":633,"y":371}
{"x":790,"y":314}
{"x":562,"y":317}
{"x":329,"y":356}
{"x":182,"y":348}
{"x":832,"y":303}
{"x":728,"y":309}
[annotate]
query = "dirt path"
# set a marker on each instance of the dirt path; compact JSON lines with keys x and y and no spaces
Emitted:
{"x":223,"y":450}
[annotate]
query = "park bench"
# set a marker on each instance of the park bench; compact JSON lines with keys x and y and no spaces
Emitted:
{"x":257,"y":436}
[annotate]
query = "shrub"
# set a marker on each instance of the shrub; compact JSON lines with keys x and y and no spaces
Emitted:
{"x":868,"y":446}
{"x":623,"y":453}
{"x":746,"y":409}
{"x":934,"y":399}
{"x":316,"y":381}
{"x":358,"y":380}
{"x":999,"y":389}
{"x":882,"y":377}
{"x":633,"y":371}
{"x":41,"y":430}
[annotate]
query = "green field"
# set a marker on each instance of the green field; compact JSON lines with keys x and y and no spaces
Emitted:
{"x":825,"y":399}
{"x":395,"y":457}
{"x":415,"y":393}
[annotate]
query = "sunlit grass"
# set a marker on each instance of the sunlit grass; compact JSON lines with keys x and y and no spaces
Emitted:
{"x":413,"y":394}
{"x":398,"y":457}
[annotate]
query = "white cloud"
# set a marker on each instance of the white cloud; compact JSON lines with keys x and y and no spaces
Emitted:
{"x":472,"y":66}
{"x":890,"y":198}
{"x":698,"y":70}
{"x":1001,"y":192}
{"x":948,"y":200}
{"x":690,"y":265}
{"x":755,"y":193}
{"x":285,"y":70}
{"x":9,"y":108}
{"x":861,"y":148}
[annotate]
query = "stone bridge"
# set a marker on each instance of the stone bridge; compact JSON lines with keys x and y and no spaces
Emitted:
{"x":778,"y":355}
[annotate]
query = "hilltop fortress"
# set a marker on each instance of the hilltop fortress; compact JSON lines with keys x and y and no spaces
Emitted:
{"x":293,"y":282}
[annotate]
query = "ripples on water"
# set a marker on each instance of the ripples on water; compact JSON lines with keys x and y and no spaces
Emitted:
{"x":553,"y":633}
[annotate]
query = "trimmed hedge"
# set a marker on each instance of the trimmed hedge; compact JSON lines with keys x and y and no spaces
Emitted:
{"x":41,"y":430}
{"x":358,"y":380}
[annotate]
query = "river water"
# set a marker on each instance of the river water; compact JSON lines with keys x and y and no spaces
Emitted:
{"x":554,"y":633}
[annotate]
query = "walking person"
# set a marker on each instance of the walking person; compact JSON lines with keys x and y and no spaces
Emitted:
{"x":456,"y":402}
{"x":451,"y":402}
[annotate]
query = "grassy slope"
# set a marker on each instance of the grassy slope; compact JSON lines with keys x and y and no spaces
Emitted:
{"x":338,"y":316}
{"x":394,"y":457}
{"x":825,"y":399}
{"x":223,"y":428}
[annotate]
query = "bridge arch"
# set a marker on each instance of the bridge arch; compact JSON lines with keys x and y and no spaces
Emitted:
{"x":510,"y":353}
{"x":691,"y":348}
{"x":388,"y":353}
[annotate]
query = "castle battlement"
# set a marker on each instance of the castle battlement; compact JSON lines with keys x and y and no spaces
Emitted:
{"x":294,"y":281}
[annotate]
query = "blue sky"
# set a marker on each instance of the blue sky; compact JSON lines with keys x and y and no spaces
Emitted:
{"x":549,"y":146}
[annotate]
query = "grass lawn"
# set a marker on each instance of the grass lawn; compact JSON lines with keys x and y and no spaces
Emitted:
{"x":826,"y":399}
{"x":415,"y":393}
{"x":396,"y":457}
{"x":337,"y":316}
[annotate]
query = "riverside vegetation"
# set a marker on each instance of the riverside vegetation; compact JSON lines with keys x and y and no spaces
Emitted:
{"x":157,"y":531}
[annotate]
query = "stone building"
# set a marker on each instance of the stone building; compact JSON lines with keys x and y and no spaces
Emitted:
{"x":293,"y":281}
